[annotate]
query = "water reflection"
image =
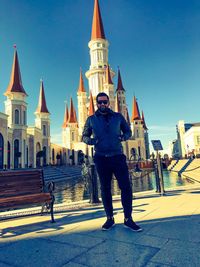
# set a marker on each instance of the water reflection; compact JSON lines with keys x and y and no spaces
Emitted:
{"x":75,"y":189}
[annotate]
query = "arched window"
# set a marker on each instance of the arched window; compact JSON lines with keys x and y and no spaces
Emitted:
{"x":17,"y":154}
{"x":72,"y":136}
{"x":24,"y":117}
{"x":8,"y":155}
{"x":44,"y":129}
{"x":44,"y":156}
{"x":16,"y":116}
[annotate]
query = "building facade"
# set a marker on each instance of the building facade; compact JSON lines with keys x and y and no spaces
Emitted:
{"x":30,"y":146}
{"x":100,"y":75}
{"x":188,"y":138}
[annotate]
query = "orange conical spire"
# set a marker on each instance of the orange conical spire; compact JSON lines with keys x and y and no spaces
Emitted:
{"x":66,"y":117}
{"x":97,"y":24}
{"x":136,"y":113}
{"x":117,"y":106}
{"x":144,"y":123}
{"x":108,"y":76}
{"x":119,"y":83}
{"x":72,"y":113}
{"x":91,"y":109}
{"x":15,"y":85}
{"x":42,"y":107}
{"x":81,"y":87}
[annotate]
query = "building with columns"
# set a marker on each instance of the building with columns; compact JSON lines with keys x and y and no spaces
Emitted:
{"x":30,"y":146}
{"x":100,"y":75}
{"x":21,"y":145}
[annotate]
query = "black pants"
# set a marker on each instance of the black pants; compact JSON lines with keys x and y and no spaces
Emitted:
{"x":106,"y":167}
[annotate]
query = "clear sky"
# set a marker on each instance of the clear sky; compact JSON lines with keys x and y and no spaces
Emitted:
{"x":156,"y":43}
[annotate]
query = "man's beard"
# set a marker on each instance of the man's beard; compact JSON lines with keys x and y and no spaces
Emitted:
{"x":103,"y":109}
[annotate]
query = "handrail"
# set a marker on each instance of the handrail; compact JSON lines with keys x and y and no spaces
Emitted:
{"x":187,"y":177}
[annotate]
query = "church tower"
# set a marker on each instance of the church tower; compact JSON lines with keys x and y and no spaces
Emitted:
{"x":82,"y":105}
{"x":98,"y":55}
{"x":64,"y":126}
{"x":138,"y":129}
{"x":109,"y":88}
{"x":71,"y":127}
{"x":91,"y":109}
{"x":120,"y":92}
{"x":42,"y":121}
{"x":16,"y":109}
{"x":146,"y":136}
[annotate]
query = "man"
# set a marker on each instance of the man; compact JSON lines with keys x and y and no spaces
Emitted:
{"x":106,"y":130}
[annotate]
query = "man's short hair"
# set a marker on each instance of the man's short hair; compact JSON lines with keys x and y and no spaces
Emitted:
{"x":101,"y":94}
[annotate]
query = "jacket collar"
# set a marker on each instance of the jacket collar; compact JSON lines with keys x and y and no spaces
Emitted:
{"x":110,"y":113}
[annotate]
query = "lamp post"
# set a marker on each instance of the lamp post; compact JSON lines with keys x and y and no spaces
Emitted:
{"x":158,"y":169}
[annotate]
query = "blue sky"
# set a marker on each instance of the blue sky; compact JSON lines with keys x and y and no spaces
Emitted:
{"x":156,"y":43}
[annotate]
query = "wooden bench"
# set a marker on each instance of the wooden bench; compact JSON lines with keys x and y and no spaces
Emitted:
{"x":24,"y":188}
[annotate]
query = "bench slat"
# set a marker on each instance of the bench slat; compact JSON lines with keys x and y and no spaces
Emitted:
{"x":20,"y":201}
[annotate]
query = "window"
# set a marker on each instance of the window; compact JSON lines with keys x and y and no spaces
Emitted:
{"x":24,"y":117}
{"x":16,"y":116}
{"x":198,"y":140}
{"x":44,"y":130}
{"x":72,"y":136}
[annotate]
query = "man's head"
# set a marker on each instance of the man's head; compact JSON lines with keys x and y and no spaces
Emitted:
{"x":102,"y":102}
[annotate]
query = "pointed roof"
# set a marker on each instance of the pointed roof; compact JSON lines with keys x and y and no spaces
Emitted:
{"x":119,"y":83}
{"x":97,"y":24}
{"x":117,"y":106}
{"x":136,"y":112}
{"x":15,"y":85}
{"x":42,"y":107}
{"x":127,"y":117}
{"x":144,"y":123}
{"x":91,"y":109}
{"x":72,"y":113}
{"x":81,"y":87}
{"x":108,"y":75}
{"x":66,"y":117}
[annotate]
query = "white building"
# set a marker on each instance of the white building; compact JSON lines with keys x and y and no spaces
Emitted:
{"x":188,"y":137}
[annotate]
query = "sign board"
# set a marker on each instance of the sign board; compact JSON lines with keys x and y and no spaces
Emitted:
{"x":156,"y":145}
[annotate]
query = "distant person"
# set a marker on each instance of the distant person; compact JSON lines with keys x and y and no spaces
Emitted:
{"x":108,"y":129}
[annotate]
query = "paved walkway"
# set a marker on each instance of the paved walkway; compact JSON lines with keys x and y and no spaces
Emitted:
{"x":171,"y":235}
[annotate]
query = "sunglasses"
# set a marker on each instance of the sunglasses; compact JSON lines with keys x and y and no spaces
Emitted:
{"x":105,"y":102}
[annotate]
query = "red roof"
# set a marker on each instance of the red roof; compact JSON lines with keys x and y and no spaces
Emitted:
{"x":119,"y":83}
{"x":136,"y":112}
{"x":15,"y":85}
{"x":42,"y":107}
{"x":97,"y":24}
{"x":91,"y":109}
{"x":108,"y":75}
{"x":81,"y":83}
{"x":66,"y":117}
{"x":72,"y":113}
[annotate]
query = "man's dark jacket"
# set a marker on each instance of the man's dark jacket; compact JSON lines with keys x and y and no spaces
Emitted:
{"x":107,"y":132}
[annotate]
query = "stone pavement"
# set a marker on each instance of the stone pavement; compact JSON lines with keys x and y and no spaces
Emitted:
{"x":170,"y":236}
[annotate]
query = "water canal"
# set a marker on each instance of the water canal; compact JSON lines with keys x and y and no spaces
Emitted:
{"x":74,"y":190}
